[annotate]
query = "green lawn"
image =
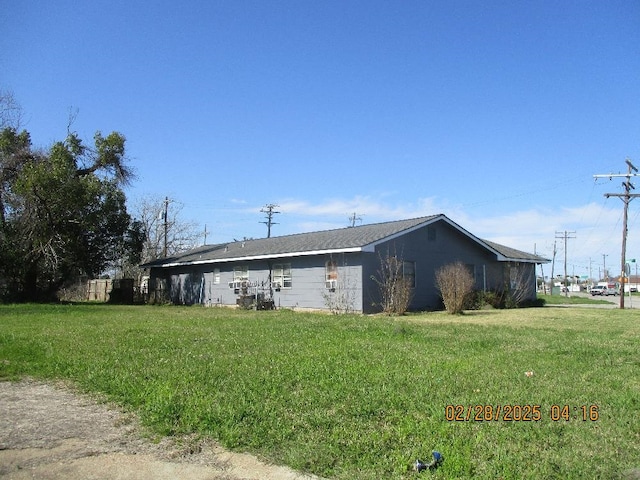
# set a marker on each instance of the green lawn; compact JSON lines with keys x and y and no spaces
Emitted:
{"x":357,"y":397}
{"x":576,"y":300}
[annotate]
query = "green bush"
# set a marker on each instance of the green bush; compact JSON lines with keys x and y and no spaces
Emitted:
{"x":493,"y":298}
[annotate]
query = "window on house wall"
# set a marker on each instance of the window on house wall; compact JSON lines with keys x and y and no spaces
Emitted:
{"x":431,"y":234}
{"x":471,"y":268}
{"x":409,"y":272}
{"x":281,"y":275}
{"x":216,"y":276}
{"x":240,"y":274}
{"x":515,"y":276}
{"x":331,"y":274}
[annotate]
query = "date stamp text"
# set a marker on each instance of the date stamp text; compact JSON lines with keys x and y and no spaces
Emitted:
{"x":520,"y":413}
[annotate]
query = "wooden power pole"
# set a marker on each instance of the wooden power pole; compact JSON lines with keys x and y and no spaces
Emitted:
{"x":165,"y":222}
{"x":269,"y":210}
{"x":566,"y":235}
{"x":626,"y":198}
{"x":353,"y":219}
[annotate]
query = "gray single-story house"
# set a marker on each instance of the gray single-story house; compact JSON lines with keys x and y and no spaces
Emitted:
{"x":325,"y":269}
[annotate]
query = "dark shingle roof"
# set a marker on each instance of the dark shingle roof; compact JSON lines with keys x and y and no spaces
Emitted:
{"x":513,"y":254}
{"x":342,"y":239}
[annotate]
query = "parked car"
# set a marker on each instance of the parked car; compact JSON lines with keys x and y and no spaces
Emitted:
{"x":603,"y":290}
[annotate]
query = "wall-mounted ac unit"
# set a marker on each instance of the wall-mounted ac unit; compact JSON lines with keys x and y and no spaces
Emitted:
{"x":331,"y":284}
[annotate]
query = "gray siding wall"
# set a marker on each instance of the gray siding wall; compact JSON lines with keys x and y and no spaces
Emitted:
{"x":430,"y":248}
{"x":197,"y":284}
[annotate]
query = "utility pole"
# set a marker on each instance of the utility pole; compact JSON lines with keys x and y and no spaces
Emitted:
{"x":553,"y":266}
{"x":166,"y":225}
{"x":544,"y":284}
{"x":269,"y":210}
{"x":604,"y":267}
{"x":626,"y":198}
{"x":353,"y":219}
{"x":566,"y":235}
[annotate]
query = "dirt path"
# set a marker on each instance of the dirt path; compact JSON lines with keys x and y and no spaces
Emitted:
{"x":50,"y":432}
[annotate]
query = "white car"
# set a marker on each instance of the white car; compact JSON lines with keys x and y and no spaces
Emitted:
{"x":603,"y":290}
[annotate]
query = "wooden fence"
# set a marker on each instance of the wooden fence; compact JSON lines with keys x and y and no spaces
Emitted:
{"x":108,"y":290}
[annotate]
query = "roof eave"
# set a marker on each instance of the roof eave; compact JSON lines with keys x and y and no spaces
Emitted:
{"x":503,"y":258}
{"x":261,"y":257}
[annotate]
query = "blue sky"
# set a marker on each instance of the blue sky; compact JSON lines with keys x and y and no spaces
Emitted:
{"x":495,"y":113}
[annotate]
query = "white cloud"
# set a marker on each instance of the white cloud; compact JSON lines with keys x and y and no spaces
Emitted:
{"x":596,"y":227}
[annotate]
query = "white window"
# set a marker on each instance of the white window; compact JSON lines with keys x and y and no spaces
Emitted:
{"x":240,"y":274}
{"x":216,"y":276}
{"x":240,"y":279}
{"x":281,"y":275}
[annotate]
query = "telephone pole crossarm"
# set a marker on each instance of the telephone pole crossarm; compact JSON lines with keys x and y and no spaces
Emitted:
{"x":269,"y":210}
{"x":353,"y":219}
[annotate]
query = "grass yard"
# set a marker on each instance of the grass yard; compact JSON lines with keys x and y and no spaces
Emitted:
{"x":577,"y":300}
{"x":355,"y":397}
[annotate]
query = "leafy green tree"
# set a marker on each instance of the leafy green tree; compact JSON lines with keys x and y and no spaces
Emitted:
{"x":63,"y":213}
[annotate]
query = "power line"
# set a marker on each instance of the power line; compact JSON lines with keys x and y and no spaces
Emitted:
{"x":626,"y":198}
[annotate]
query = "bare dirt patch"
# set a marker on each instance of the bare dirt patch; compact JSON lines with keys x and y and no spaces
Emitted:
{"x":52,"y":432}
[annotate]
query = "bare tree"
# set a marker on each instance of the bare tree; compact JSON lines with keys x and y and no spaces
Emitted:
{"x":520,"y":284}
{"x":10,"y":111}
{"x":394,"y":285}
{"x":181,"y":235}
{"x":456,"y":284}
{"x":342,"y":299}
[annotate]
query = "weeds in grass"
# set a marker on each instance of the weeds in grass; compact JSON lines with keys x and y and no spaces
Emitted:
{"x":355,"y":397}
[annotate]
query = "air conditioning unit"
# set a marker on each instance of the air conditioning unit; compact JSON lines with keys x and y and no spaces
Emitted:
{"x":331,"y":284}
{"x":276,"y":286}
